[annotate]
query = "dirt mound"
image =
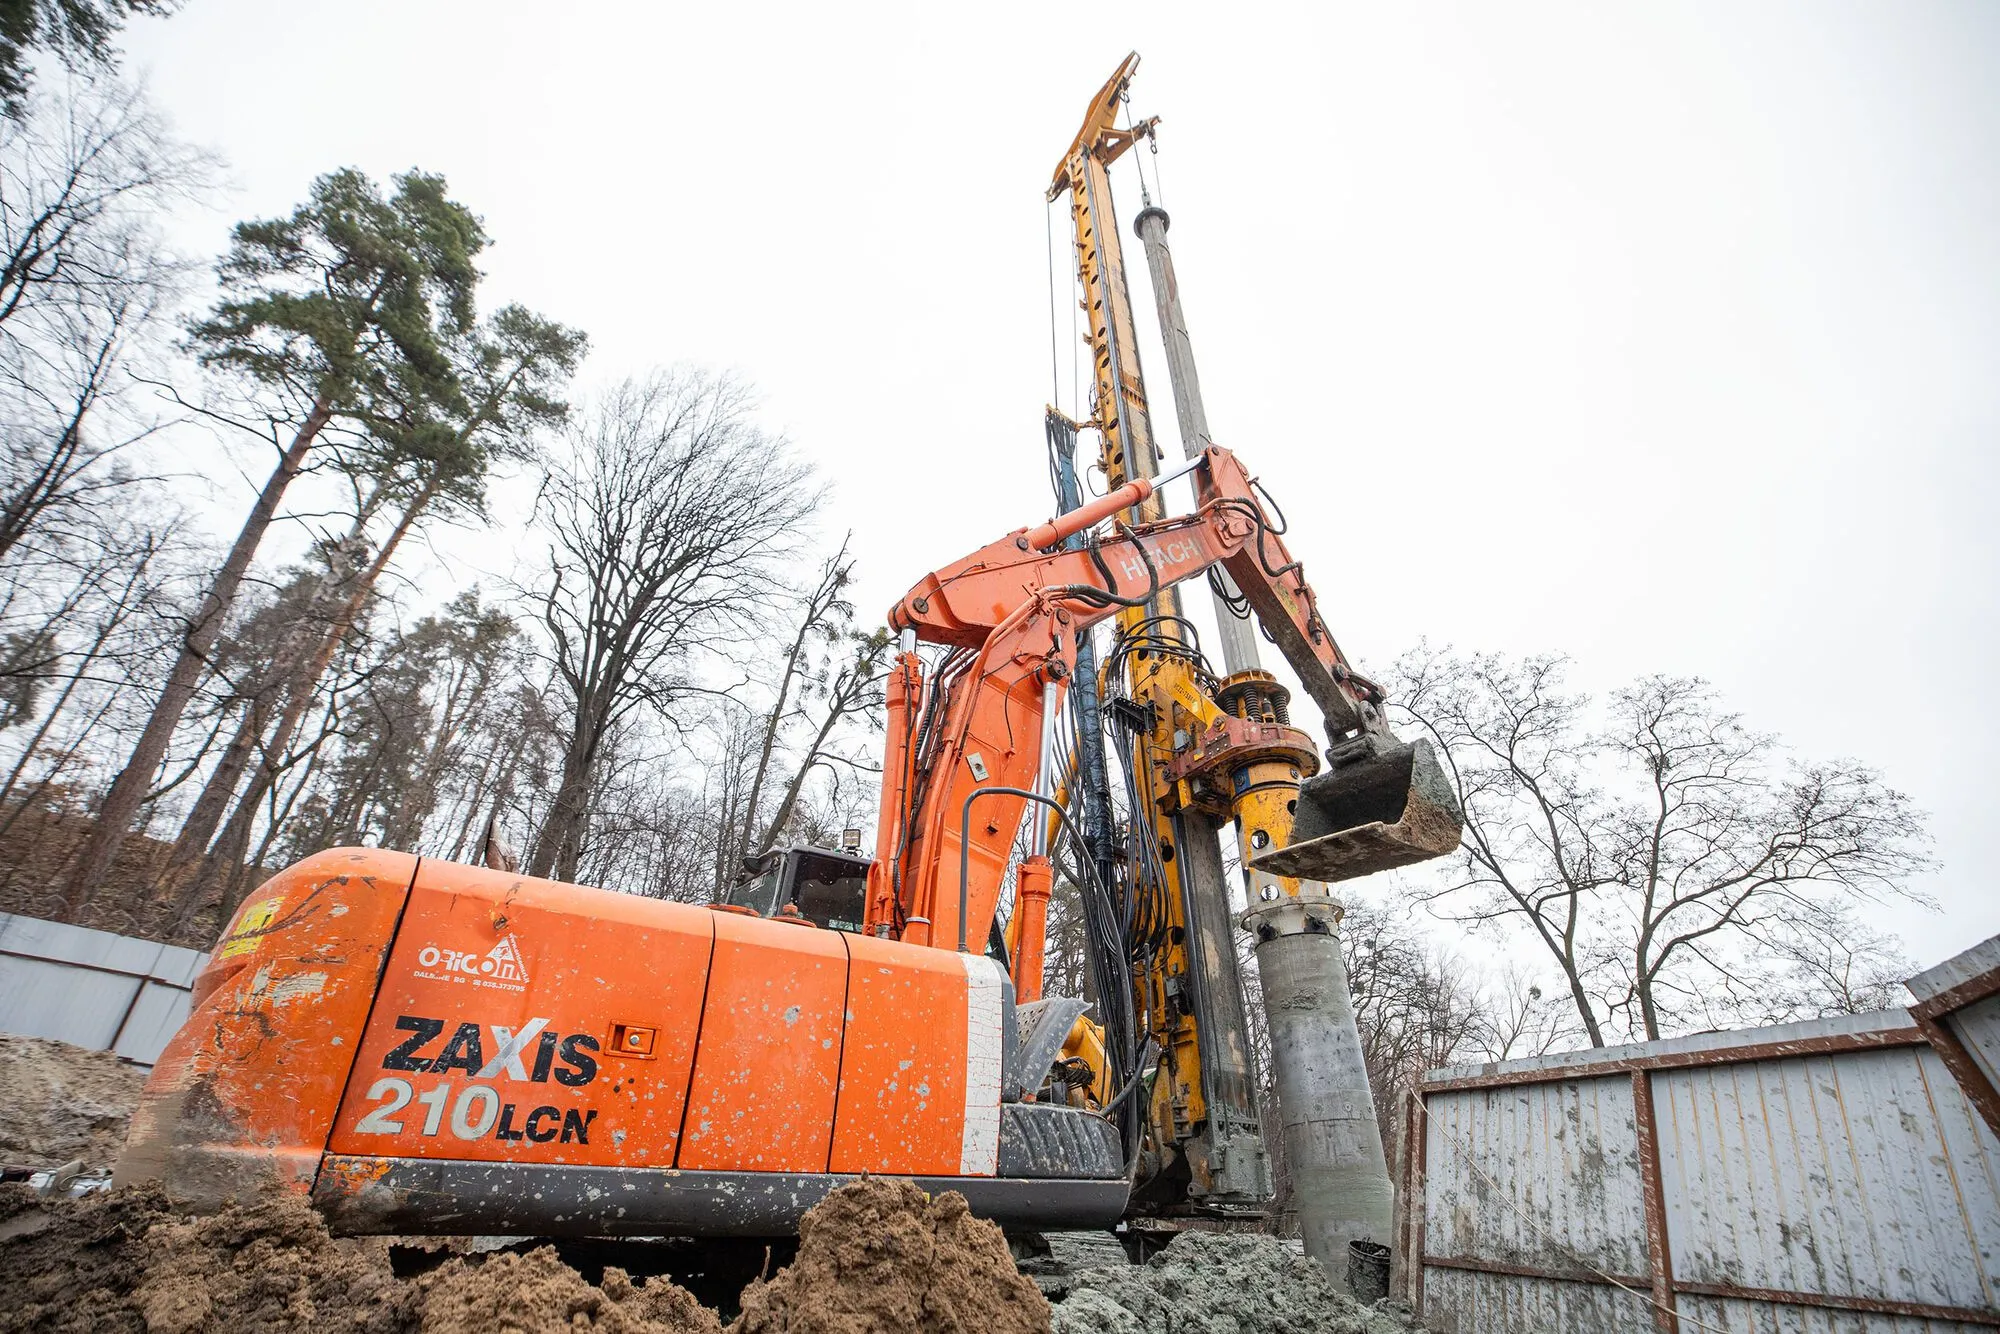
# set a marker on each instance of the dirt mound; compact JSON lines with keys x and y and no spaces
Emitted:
{"x":526,"y":1294}
{"x":127,"y":1260}
{"x":1220,"y":1283}
{"x":59,"y":1102}
{"x":882,"y":1255}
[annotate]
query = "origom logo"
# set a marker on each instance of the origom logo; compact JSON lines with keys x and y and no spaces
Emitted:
{"x":502,"y":963}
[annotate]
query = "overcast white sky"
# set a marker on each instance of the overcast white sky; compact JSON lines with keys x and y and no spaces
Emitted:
{"x":1660,"y":336}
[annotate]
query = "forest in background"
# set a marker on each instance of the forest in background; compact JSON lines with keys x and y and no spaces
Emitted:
{"x":675,"y":679}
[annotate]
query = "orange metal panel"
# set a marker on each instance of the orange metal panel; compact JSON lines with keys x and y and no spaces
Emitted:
{"x":903,"y":1083}
{"x":763,"y":1093}
{"x":245,"y":1092}
{"x":493,"y":1036}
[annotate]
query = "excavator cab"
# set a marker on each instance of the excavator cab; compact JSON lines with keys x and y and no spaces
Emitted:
{"x":1379,"y":804}
{"x":822,"y":885}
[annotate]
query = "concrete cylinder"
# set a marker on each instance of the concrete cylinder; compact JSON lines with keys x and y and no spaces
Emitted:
{"x":1333,"y":1145}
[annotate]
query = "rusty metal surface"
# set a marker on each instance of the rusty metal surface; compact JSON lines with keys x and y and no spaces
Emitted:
{"x":1652,"y":1185}
{"x":1820,"y":1178}
{"x":1516,"y":1173}
{"x":1394,"y":809}
{"x":1860,"y":1174}
{"x":1458,"y":1301}
{"x":1857,"y":1032}
{"x":1958,"y":1007}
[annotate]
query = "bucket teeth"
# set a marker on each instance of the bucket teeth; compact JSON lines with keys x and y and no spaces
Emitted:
{"x":1391,"y":807}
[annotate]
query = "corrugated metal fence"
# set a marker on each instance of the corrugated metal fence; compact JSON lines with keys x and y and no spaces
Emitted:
{"x":92,"y":988}
{"x":1958,"y":1009}
{"x":1815,"y":1178}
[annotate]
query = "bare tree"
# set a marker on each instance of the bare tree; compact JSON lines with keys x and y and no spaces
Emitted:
{"x":823,"y":613}
{"x":84,"y":282}
{"x":1653,"y":848}
{"x":668,"y":514}
{"x":1519,"y":1019}
{"x":83,"y":181}
{"x":832,"y":677}
{"x":847,"y":688}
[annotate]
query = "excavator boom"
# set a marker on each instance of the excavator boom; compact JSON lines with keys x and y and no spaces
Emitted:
{"x":1021,"y":604}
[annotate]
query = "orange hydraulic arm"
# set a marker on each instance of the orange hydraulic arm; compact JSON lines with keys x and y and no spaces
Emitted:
{"x":1017,"y":607}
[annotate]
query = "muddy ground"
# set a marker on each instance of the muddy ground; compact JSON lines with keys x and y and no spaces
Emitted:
{"x":129,"y":1261}
{"x":60,"y":1103}
{"x":876,"y":1256}
{"x":1221,"y":1283}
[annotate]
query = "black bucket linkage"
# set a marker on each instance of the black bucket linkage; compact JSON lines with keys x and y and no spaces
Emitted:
{"x":1387,"y":805}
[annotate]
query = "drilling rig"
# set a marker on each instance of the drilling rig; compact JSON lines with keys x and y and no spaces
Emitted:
{"x":429,"y":1047}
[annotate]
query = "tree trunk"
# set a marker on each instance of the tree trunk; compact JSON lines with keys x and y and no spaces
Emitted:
{"x":229,"y":850}
{"x":1649,"y":1013}
{"x":560,"y":847}
{"x":198,"y":829}
{"x":1583,"y":1010}
{"x":790,"y":800}
{"x":119,"y":809}
{"x":213,"y":803}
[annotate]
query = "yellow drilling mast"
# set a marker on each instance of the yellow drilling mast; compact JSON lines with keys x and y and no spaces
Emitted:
{"x":1191,"y":769}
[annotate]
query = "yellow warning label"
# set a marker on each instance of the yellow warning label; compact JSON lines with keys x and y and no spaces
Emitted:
{"x":255,"y":918}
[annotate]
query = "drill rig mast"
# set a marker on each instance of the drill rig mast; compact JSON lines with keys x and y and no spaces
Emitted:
{"x":1198,"y":752}
{"x":1203,"y":1142}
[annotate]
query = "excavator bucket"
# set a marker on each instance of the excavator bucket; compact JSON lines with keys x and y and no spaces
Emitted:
{"x":1388,"y":807}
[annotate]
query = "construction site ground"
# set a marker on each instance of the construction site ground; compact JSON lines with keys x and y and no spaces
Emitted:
{"x":876,"y":1256}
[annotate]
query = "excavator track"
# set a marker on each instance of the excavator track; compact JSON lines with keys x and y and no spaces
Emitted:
{"x":1053,"y":1259}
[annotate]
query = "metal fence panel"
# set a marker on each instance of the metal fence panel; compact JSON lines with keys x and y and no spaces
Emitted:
{"x":1822,"y":1178}
{"x":1512,"y":1168}
{"x":1721,"y":1315}
{"x":95,"y":989}
{"x":1458,"y":1301}
{"x":1958,"y":1007}
{"x":1852,"y":1174}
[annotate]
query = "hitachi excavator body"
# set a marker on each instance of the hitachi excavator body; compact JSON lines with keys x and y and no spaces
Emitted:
{"x":428,"y":1047}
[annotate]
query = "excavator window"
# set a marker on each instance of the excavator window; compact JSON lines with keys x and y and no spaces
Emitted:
{"x":831,"y":890}
{"x":825,"y":887}
{"x":760,"y":888}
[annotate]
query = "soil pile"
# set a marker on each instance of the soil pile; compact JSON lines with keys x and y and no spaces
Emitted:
{"x":526,"y":1294}
{"x":126,"y":1260}
{"x":881,"y":1255}
{"x":59,"y":1103}
{"x":1221,"y":1283}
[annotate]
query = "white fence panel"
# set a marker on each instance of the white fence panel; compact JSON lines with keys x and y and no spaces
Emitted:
{"x":93,"y":988}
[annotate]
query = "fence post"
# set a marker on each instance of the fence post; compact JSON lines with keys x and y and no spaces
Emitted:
{"x":1406,"y":1263}
{"x":1665,"y":1317}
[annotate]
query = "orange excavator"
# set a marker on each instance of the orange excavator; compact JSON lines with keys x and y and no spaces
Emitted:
{"x":429,"y":1047}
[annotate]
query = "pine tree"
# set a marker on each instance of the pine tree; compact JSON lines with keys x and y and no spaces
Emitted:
{"x":346,"y":310}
